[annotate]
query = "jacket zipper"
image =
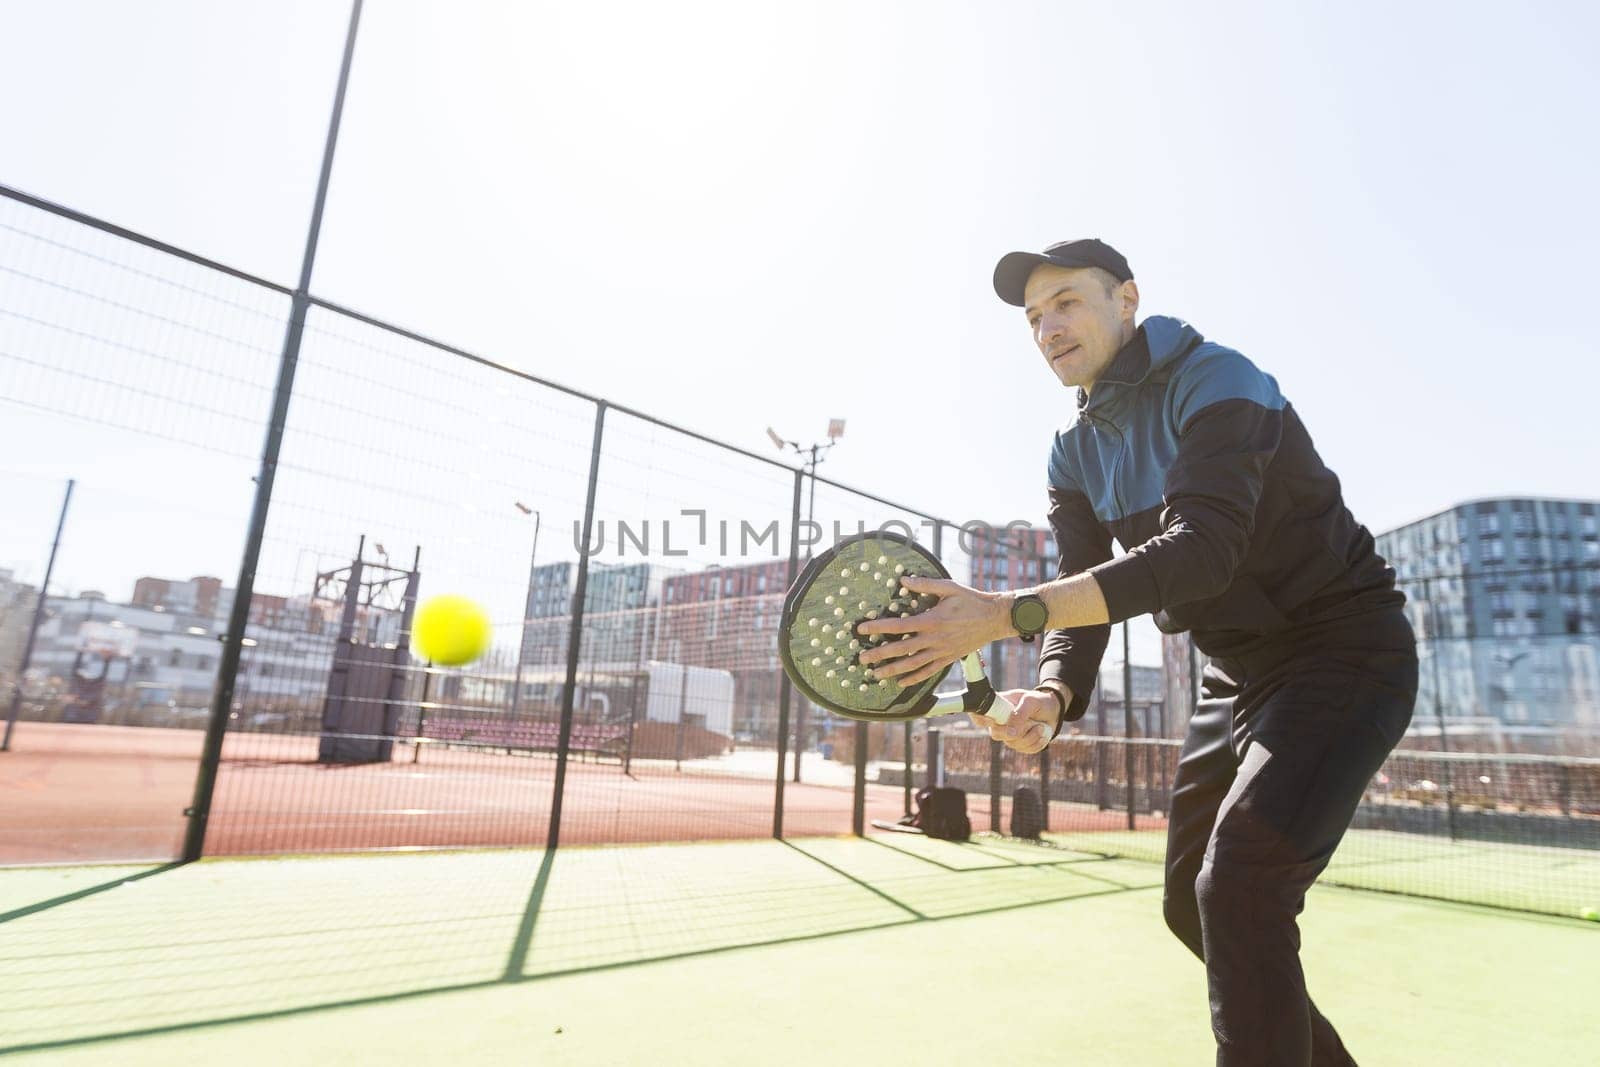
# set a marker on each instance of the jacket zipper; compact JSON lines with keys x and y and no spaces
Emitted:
{"x":1116,"y":462}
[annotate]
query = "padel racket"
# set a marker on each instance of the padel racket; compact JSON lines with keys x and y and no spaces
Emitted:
{"x":856,"y":580}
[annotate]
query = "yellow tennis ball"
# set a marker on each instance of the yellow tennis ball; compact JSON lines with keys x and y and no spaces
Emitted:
{"x":450,"y":630}
{"x":1592,"y":914}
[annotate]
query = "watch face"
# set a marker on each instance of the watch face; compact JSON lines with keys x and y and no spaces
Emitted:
{"x":1030,"y":615}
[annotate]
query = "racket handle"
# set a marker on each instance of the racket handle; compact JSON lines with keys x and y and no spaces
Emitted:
{"x":1001,"y":710}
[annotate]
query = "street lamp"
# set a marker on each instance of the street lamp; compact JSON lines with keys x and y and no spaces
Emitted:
{"x":813,"y":455}
{"x":527,"y":606}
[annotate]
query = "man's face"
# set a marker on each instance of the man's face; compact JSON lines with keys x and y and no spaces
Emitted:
{"x":1077,"y":324}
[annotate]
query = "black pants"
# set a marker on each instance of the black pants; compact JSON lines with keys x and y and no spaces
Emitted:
{"x":1276,"y":760}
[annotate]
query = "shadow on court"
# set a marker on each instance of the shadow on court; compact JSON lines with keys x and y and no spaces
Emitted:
{"x":229,"y":941}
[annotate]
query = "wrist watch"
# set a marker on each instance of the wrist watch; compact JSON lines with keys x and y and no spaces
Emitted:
{"x":1029,"y":615}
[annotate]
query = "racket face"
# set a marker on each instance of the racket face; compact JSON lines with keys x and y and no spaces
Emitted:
{"x":855,"y":580}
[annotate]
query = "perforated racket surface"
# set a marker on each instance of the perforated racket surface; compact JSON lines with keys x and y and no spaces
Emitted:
{"x":856,"y":580}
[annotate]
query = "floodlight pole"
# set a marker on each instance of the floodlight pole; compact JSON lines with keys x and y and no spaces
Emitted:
{"x":814,"y":455}
{"x":38,"y":617}
{"x":527,"y":606}
{"x":199,"y":810}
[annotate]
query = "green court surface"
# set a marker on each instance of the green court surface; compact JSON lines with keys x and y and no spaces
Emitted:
{"x":1556,"y":881}
{"x":890,"y":950}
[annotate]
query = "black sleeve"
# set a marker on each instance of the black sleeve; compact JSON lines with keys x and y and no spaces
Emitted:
{"x":1072,"y":656}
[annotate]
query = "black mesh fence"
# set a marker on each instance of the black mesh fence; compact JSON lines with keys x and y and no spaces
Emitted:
{"x":633,"y":573}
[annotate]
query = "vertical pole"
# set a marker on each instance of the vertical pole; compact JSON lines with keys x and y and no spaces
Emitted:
{"x":1102,"y":797}
{"x":1044,"y":787}
{"x":785,"y":689}
{"x":527,"y":616}
{"x":640,"y":673}
{"x":422,"y":711}
{"x":1149,"y":762}
{"x":1435,"y":647}
{"x":1127,"y":714}
{"x":800,"y":712}
{"x":683,"y":708}
{"x":994,"y":785}
{"x":199,"y":810}
{"x":935,"y":752}
{"x":858,"y":806}
{"x":400,"y":662}
{"x":38,"y":617}
{"x":908,"y":735}
{"x":995,"y":751}
{"x":575,"y":632}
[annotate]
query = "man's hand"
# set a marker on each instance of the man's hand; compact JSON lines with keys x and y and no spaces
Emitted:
{"x":1030,"y":727}
{"x":964,"y":620}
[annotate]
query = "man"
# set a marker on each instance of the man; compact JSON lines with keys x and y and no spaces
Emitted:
{"x":1234,"y":530}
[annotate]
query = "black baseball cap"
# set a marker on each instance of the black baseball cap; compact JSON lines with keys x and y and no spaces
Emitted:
{"x":1011,"y":273}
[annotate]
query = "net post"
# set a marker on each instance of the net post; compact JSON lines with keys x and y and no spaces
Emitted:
{"x":907,"y":780}
{"x":1102,"y":796}
{"x":994,"y":785}
{"x":683,"y":711}
{"x":575,"y":633}
{"x":785,"y":688}
{"x":858,"y":806}
{"x":1044,"y":786}
{"x":1127,"y":715}
{"x":995,"y":748}
{"x":935,"y":753}
{"x":1435,"y":647}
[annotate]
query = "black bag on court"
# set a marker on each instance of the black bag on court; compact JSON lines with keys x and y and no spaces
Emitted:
{"x":1027,"y":813}
{"x":942,"y":813}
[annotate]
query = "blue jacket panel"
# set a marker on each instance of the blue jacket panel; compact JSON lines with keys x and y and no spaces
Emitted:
{"x":1190,"y":457}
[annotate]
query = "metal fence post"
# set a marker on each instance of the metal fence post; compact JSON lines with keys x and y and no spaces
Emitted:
{"x":994,"y":785}
{"x":1435,"y":647}
{"x":1044,"y":787}
{"x":858,"y":806}
{"x":38,"y":617}
{"x":785,"y":688}
{"x":199,"y":810}
{"x":1127,"y":715}
{"x":907,"y":783}
{"x":995,"y":748}
{"x":575,"y":633}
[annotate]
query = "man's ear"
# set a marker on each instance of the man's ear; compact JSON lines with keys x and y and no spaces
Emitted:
{"x":1129,"y":300}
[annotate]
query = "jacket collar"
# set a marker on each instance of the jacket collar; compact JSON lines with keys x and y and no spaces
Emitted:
{"x":1129,"y":366}
{"x":1159,"y":341}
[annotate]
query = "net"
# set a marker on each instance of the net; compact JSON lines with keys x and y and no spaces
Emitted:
{"x":1509,"y":831}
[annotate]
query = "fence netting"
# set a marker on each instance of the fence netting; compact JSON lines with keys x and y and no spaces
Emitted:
{"x":633,"y":573}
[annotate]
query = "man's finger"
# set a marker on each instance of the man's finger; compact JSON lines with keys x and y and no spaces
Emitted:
{"x":1024,"y":723}
{"x":1017,"y":724}
{"x":936,"y":586}
{"x":935,"y":664}
{"x":904,"y":662}
{"x":891,"y":652}
{"x":906,"y":625}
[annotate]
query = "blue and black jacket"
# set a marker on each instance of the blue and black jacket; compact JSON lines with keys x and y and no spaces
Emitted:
{"x":1188,"y":455}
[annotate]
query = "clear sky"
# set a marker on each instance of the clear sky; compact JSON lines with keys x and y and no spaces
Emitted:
{"x":740,"y":214}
